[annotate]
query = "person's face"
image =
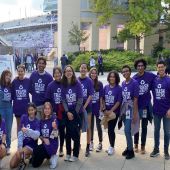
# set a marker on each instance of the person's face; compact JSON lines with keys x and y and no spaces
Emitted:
{"x":47,"y":110}
{"x":31,"y":112}
{"x":126,"y":73}
{"x":21,"y":73}
{"x":140,"y":67}
{"x":8,"y":78}
{"x":57,"y":75}
{"x":93,"y":74}
{"x":68,"y":73}
{"x":83,"y":69}
{"x":41,"y":65}
{"x":161,"y":69}
{"x":112,"y":79}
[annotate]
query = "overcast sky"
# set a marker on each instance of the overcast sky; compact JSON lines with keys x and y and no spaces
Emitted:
{"x":14,"y":9}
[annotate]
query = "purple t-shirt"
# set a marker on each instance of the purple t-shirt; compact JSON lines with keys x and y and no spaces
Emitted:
{"x":96,"y":99}
{"x":71,"y":94}
{"x":39,"y":85}
{"x":2,"y":130}
{"x":161,"y":95}
{"x":145,"y":86}
{"x":53,"y":94}
{"x":20,"y":96}
{"x":130,"y":90}
{"x":46,"y":129}
{"x":111,"y":96}
{"x":88,"y":89}
{"x":30,"y":124}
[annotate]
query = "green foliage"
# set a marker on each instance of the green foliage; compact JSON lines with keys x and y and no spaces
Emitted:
{"x":157,"y":48}
{"x":165,"y":53}
{"x":77,"y":36}
{"x":113,"y":60}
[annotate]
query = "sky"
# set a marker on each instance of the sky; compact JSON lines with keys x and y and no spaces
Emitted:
{"x":15,"y":9}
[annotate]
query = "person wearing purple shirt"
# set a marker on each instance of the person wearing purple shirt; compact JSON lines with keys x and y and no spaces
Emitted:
{"x":28,"y":135}
{"x":130,"y":93}
{"x":72,"y":99}
{"x":161,"y":109}
{"x":20,"y":94}
{"x":2,"y":139}
{"x":39,"y":81}
{"x":88,"y":90}
{"x":97,"y":107}
{"x":53,"y":95}
{"x":49,"y":137}
{"x":112,"y":102}
{"x":145,"y":80}
{"x":6,"y":104}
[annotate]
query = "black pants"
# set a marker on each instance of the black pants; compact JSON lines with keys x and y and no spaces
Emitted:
{"x":144,"y":124}
{"x":111,"y":131}
{"x":99,"y":128}
{"x":62,"y":134}
{"x":73,"y":133}
{"x":38,"y":156}
{"x":100,"y":69}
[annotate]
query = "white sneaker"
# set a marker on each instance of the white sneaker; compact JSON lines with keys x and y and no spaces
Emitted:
{"x":8,"y":152}
{"x":67,"y":158}
{"x":110,"y":150}
{"x":91,"y":147}
{"x":73,"y":159}
{"x":53,"y":161}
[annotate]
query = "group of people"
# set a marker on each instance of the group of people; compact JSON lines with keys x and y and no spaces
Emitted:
{"x":65,"y":106}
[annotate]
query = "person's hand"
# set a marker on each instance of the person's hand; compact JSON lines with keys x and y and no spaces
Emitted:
{"x":106,"y":112}
{"x":70,"y":116}
{"x":54,"y":124}
{"x":24,"y":129}
{"x":168,"y":113}
{"x":46,"y":141}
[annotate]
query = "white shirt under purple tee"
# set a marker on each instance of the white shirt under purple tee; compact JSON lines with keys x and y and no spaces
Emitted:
{"x":20,"y":96}
{"x":161,"y":95}
{"x":2,"y":130}
{"x":112,"y":95}
{"x":130,"y":90}
{"x":96,"y":99}
{"x":71,"y":94}
{"x":45,"y":131}
{"x":145,"y":86}
{"x":30,"y":124}
{"x":39,"y":83}
{"x":53,"y":94}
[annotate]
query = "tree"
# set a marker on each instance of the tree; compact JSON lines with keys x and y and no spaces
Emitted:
{"x":142,"y":16}
{"x":77,"y":36}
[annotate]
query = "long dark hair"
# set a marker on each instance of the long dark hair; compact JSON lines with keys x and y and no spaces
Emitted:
{"x":117,"y":77}
{"x":0,"y":119}
{"x":64,"y":78}
{"x":96,"y":82}
{"x":2,"y":79}
{"x":34,"y":106}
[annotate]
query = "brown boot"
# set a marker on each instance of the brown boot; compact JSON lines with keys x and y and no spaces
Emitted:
{"x":136,"y":148}
{"x":143,"y":150}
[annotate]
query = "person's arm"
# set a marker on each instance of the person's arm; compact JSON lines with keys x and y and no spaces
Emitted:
{"x":79,"y":104}
{"x":20,"y":139}
{"x":3,"y":138}
{"x":87,"y":101}
{"x":135,"y":111}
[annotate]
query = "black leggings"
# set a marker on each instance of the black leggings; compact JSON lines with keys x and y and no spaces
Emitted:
{"x":99,"y":128}
{"x":38,"y":156}
{"x":62,"y":135}
{"x":111,"y":131}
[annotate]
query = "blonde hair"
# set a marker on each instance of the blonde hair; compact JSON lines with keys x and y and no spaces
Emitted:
{"x":47,"y":104}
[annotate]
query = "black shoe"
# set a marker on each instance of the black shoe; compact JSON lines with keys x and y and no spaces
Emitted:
{"x":22,"y":165}
{"x":154,"y":153}
{"x":87,"y":152}
{"x":130,"y":154}
{"x":166,"y":155}
{"x":125,"y":152}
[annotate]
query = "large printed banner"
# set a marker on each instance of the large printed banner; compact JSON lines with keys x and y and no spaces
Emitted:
{"x":7,"y":62}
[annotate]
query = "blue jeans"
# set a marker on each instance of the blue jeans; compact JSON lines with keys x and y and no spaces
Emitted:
{"x":166,"y":127}
{"x":7,"y":115}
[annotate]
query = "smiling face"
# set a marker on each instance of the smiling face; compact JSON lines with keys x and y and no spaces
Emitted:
{"x":93,"y":74}
{"x":57,"y":75}
{"x":68,"y":72}
{"x":112,"y":79}
{"x":83,"y":70}
{"x":8,"y":77}
{"x":31,"y":112}
{"x":41,"y":66}
{"x":161,"y":69}
{"x":126,"y":73}
{"x":47,"y":110}
{"x":21,"y":73}
{"x":140,"y":68}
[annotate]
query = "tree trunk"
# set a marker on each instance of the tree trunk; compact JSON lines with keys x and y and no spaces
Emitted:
{"x":137,"y":39}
